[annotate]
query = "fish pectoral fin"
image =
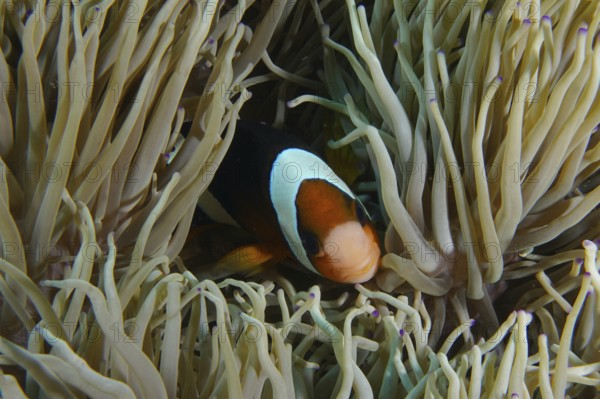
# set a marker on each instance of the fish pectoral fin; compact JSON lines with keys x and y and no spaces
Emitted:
{"x":249,"y":259}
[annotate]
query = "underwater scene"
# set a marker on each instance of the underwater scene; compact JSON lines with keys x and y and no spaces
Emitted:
{"x":299,"y":199}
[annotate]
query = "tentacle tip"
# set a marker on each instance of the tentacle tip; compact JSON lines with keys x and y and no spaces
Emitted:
{"x":583,"y":30}
{"x":527,"y":21}
{"x":401,"y":332}
{"x":312,"y":295}
{"x":579,"y":261}
{"x":375,"y":313}
{"x":546,"y":18}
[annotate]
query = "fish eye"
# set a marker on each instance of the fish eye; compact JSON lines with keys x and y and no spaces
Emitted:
{"x":310,"y":242}
{"x":361,"y":214}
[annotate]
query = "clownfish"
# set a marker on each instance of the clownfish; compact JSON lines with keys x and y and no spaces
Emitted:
{"x":274,"y":187}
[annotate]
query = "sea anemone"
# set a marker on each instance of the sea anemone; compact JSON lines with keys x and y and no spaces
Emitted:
{"x":494,"y":152}
{"x":476,"y":127}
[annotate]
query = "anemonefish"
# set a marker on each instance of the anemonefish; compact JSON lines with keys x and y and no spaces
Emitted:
{"x":274,"y":187}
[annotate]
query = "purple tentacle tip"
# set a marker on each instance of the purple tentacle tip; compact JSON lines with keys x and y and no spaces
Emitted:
{"x":472,"y":322}
{"x":433,"y":100}
{"x":402,"y":332}
{"x":211,"y":40}
{"x":579,"y":260}
{"x":547,"y":18}
{"x":375,"y":313}
{"x":199,"y":289}
{"x":587,"y":274}
{"x":396,"y":43}
{"x":500,"y":79}
{"x":582,"y":30}
{"x":515,"y":395}
{"x":312,"y":295}
{"x":28,"y":12}
{"x":526,"y":21}
{"x":97,"y":8}
{"x":441,"y":52}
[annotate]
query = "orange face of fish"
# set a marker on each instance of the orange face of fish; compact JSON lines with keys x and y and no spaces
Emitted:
{"x":336,"y":233}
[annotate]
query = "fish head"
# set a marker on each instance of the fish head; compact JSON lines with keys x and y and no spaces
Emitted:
{"x":336,"y":232}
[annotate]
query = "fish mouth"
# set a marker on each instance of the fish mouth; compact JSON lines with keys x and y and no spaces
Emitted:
{"x":356,"y":257}
{"x":366,"y":270}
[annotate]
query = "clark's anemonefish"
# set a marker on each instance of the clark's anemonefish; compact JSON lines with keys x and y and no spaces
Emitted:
{"x":272,"y":186}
